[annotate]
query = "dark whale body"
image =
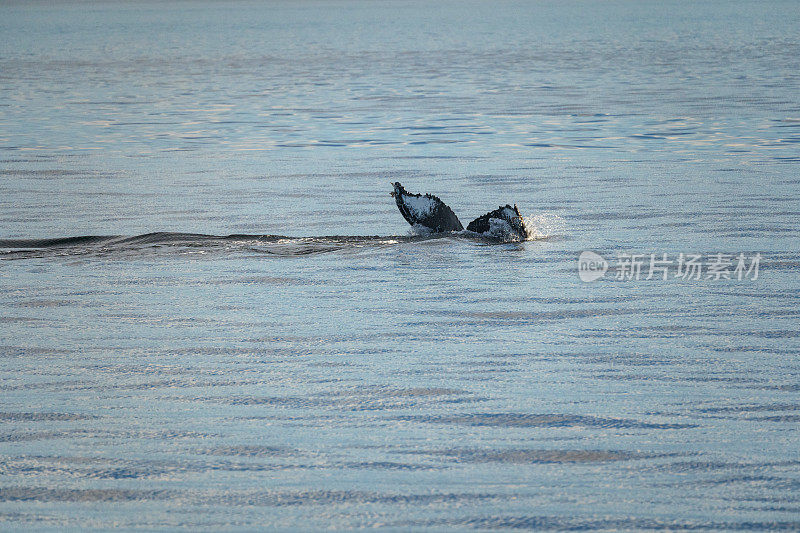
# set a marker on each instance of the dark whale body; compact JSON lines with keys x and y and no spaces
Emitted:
{"x":429,"y":211}
{"x":506,"y":214}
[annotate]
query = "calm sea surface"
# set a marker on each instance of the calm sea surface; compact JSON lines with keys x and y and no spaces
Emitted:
{"x":325,"y":367}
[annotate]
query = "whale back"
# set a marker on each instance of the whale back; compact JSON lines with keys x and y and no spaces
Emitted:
{"x":502,"y":222}
{"x":426,"y":210}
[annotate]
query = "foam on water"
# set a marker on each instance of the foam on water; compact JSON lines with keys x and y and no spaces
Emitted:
{"x":544,"y":226}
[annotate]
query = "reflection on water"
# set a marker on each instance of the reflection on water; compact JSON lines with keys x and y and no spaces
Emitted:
{"x":285,"y":353}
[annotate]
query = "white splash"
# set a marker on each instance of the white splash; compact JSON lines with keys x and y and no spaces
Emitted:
{"x":420,"y":230}
{"x":544,"y":226}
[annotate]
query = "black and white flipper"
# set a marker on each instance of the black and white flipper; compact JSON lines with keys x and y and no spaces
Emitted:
{"x":503,"y":223}
{"x":426,"y":210}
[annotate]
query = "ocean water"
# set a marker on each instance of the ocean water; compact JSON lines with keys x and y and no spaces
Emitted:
{"x":213,"y":316}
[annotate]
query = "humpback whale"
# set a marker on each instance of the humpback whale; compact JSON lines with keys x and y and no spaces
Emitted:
{"x":425,"y":210}
{"x":429,"y":211}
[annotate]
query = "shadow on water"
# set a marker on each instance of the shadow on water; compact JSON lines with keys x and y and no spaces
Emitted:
{"x":195,"y":243}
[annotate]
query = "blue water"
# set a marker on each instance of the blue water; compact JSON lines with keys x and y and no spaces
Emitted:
{"x":256,"y":339}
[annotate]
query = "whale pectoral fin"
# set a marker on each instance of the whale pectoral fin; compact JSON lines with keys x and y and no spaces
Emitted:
{"x":502,"y":222}
{"x":426,"y":210}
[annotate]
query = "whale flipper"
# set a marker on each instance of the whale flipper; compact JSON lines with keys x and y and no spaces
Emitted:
{"x":426,"y":210}
{"x":504,"y":221}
